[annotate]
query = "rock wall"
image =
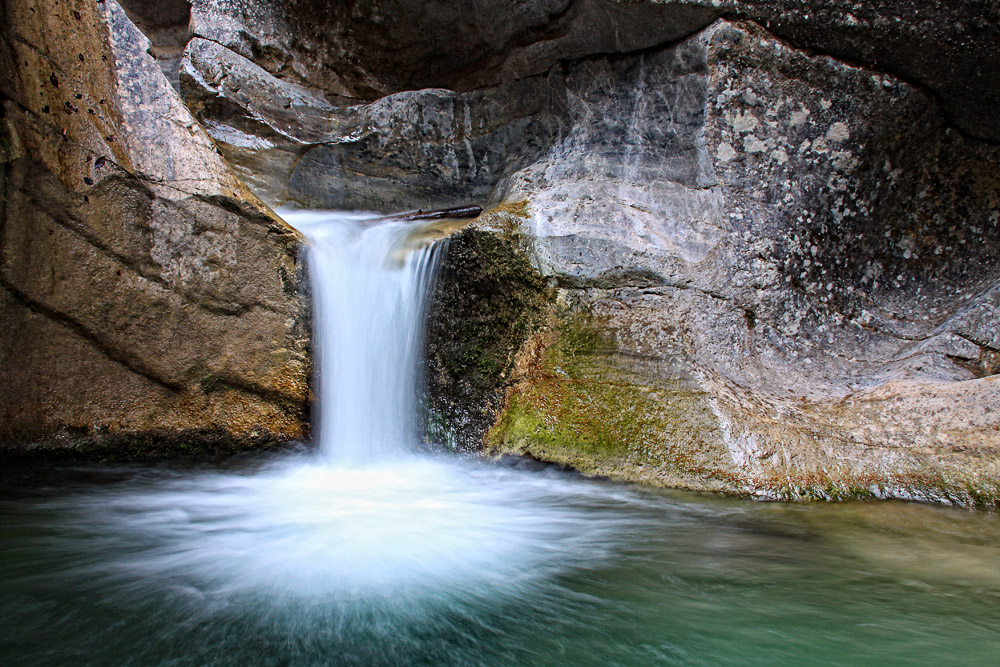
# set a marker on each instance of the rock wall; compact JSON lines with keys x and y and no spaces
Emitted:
{"x":763,"y":232}
{"x":365,"y":50}
{"x":734,"y":245}
{"x":147,"y":295}
{"x":785,"y":260}
{"x":489,"y":300}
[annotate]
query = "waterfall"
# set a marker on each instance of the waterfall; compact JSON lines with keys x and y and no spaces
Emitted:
{"x":370,"y":292}
{"x":358,"y":556}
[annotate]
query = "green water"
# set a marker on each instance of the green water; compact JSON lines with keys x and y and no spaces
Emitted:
{"x":254,"y":562}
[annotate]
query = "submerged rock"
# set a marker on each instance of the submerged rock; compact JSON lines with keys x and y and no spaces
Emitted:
{"x":145,"y":290}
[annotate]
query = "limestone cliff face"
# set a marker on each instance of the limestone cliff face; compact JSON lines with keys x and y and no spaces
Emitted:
{"x":786,"y":254}
{"x":734,"y":245}
{"x":765,"y":233}
{"x":144,"y":289}
{"x":365,"y":50}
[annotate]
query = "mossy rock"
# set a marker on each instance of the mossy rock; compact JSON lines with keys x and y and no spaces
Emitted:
{"x":582,"y":406}
{"x":488,"y":301}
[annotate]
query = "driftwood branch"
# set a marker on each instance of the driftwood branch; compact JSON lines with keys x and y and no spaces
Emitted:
{"x":458,"y":213}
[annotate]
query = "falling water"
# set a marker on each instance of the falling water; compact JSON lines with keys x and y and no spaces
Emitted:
{"x":371,"y":291}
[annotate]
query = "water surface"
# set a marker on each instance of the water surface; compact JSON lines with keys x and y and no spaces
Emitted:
{"x":292,"y":561}
{"x":365,"y":552}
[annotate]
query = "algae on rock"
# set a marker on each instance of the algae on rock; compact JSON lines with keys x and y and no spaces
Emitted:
{"x":583,"y":404}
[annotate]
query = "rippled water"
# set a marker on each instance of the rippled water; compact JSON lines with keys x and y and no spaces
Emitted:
{"x":292,"y":561}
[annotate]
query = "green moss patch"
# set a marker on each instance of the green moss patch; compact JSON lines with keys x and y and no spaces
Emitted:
{"x":585,"y":408}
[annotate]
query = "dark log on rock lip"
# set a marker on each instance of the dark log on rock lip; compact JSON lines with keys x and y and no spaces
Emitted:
{"x":458,"y":213}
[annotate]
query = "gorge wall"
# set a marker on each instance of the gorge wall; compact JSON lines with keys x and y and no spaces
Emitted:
{"x":150,"y":302}
{"x":732,"y":245}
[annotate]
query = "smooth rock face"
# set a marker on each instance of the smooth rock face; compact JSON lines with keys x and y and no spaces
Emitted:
{"x":145,"y":290}
{"x":417,"y":149}
{"x":365,"y":50}
{"x":800,"y":244}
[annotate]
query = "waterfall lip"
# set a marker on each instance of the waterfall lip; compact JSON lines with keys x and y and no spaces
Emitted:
{"x":434,"y":225}
{"x":425,"y":227}
{"x":454,"y":213}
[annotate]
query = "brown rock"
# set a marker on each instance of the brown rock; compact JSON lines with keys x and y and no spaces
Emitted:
{"x":168,"y":298}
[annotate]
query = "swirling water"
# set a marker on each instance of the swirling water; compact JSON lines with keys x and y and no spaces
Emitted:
{"x":367,"y":552}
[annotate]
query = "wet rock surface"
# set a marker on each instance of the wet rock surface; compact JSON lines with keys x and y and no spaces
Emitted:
{"x":145,"y":289}
{"x":488,"y":301}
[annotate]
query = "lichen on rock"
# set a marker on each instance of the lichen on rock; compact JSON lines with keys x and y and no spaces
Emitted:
{"x":581,"y":403}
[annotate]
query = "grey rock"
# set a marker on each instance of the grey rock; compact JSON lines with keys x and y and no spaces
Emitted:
{"x":367,"y":50}
{"x":165,"y":23}
{"x":417,"y":149}
{"x":823,"y":243}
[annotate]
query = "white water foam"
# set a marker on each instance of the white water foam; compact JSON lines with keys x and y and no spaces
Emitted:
{"x":369,"y":515}
{"x":306,"y":529}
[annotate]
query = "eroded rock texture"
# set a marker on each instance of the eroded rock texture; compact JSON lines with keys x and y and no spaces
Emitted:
{"x":765,"y":232}
{"x":145,"y":290}
{"x":735,"y":245}
{"x":365,"y":50}
{"x":801,"y":245}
